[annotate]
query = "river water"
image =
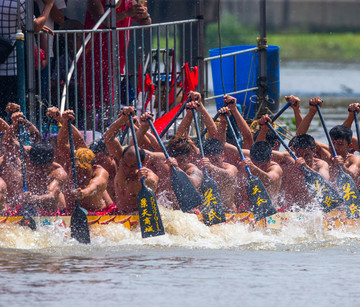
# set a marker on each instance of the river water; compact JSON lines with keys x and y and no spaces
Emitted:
{"x":192,"y":265}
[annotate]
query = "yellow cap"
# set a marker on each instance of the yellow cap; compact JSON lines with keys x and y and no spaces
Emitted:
{"x":84,"y":158}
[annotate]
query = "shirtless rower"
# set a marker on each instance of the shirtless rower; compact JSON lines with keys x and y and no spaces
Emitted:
{"x":10,"y":170}
{"x":45,"y":178}
{"x":293,"y":191}
{"x":258,"y":158}
{"x":92,"y":178}
{"x":223,"y":173}
{"x":107,"y":161}
{"x":260,"y":164}
{"x":348,"y":122}
{"x":128,"y":175}
{"x":268,"y":135}
{"x":179,"y":150}
{"x":3,"y":186}
{"x":341,"y":137}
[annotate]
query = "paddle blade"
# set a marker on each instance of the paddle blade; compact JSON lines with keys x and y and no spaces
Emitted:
{"x":149,"y":215}
{"x":261,"y":204}
{"x":28,"y":212}
{"x":349,"y":193}
{"x":213,"y":210}
{"x":79,"y":226}
{"x":323,"y":192}
{"x":185,"y":191}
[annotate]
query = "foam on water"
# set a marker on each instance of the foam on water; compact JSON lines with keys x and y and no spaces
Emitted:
{"x":185,"y":231}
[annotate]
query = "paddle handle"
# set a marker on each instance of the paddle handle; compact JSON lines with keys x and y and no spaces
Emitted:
{"x":357,"y":126}
{"x":22,"y":156}
{"x":158,"y":138}
{"x":281,"y":141}
{"x":215,"y":118}
{"x":196,"y":122}
{"x":72,"y":154}
{"x":123,"y":135}
{"x":205,"y":130}
{"x":136,"y":146}
{"x":326,"y":131}
{"x":175,"y":117}
{"x":283,"y":109}
{"x":242,"y":156}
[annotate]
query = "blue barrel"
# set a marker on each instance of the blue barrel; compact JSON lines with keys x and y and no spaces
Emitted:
{"x":247,"y":73}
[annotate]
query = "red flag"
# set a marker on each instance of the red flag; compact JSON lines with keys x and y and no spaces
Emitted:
{"x":190,"y":80}
{"x":195,"y":76}
{"x":162,"y":121}
{"x":149,"y":88}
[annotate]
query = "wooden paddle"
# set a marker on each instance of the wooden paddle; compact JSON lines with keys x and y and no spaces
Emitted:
{"x":123,"y":135}
{"x":283,"y":109}
{"x":261,"y":204}
{"x":28,"y":210}
{"x":323,"y":192}
{"x":149,"y":215}
{"x":185,"y":191}
{"x":345,"y":184}
{"x":213,"y":211}
{"x":79,"y":224}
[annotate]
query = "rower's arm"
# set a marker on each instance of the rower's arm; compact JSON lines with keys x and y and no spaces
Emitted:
{"x":208,"y":121}
{"x":144,"y":137}
{"x":231,"y":152}
{"x":351,"y":116}
{"x":355,"y":143}
{"x":305,"y":123}
{"x":242,"y":124}
{"x":354,"y":168}
{"x":49,"y":200}
{"x":152,"y":180}
{"x":323,"y":151}
{"x":153,"y":141}
{"x":262,"y":134}
{"x":33,"y":131}
{"x":195,"y":176}
{"x":324,"y":170}
{"x":9,"y":140}
{"x":112,"y":143}
{"x":3,"y":125}
{"x":295,"y":105}
{"x":79,"y":141}
{"x":63,"y":138}
{"x":271,"y":177}
{"x":281,"y":157}
{"x":97,"y":184}
{"x":184,"y":126}
{"x":221,"y":129}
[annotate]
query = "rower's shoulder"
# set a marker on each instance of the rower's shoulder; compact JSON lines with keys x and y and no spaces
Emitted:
{"x":353,"y":157}
{"x":58,"y":171}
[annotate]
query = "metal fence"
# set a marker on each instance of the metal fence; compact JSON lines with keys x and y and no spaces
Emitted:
{"x":86,"y":75}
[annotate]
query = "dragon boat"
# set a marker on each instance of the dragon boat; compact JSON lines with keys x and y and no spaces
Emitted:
{"x":330,"y":221}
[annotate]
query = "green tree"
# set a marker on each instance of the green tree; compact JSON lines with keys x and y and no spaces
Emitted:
{"x":232,"y":33}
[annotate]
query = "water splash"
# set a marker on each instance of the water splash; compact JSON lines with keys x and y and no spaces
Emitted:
{"x":183,"y":230}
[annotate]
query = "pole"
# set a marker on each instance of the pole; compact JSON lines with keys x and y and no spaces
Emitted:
{"x":20,"y":65}
{"x":262,"y":44}
{"x":200,"y":16}
{"x":30,"y":65}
